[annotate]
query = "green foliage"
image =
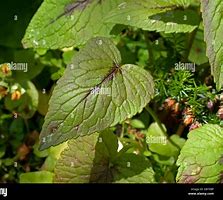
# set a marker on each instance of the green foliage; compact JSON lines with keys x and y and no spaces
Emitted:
{"x":95,"y":159}
{"x":73,"y":23}
{"x":137,"y":123}
{"x":153,"y":18}
{"x":197,"y":53}
{"x":110,"y":90}
{"x":200,"y":160}
{"x":212,"y":33}
{"x":159,"y":143}
{"x":92,"y":79}
{"x":53,"y":156}
{"x":37,"y":177}
{"x":69,"y":23}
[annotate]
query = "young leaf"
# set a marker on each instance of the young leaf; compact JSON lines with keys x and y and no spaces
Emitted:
{"x":136,"y":123}
{"x":95,"y":93}
{"x":159,"y":144}
{"x":65,"y":23}
{"x":200,"y":159}
{"x":154,"y":16}
{"x":94,"y":159}
{"x":212,"y":17}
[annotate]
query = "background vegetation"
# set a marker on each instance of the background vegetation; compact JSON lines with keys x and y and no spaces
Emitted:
{"x":155,"y":36}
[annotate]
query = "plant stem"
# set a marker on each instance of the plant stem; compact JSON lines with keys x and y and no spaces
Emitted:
{"x":149,"y":47}
{"x":180,"y":129}
{"x":27,"y":125}
{"x":156,"y":119}
{"x":189,"y":45}
{"x":122,"y":130}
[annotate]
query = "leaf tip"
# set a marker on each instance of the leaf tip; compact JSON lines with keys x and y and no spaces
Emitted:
{"x":42,"y":146}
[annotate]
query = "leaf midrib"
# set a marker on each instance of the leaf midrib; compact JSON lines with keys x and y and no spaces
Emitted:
{"x":108,"y":77}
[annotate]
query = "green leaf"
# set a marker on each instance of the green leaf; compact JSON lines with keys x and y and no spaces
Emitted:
{"x":8,"y":161}
{"x":197,"y":52}
{"x":136,"y":123}
{"x":213,"y":29}
{"x":53,"y":155}
{"x":38,"y":153}
{"x":95,"y":92}
{"x":43,"y":102}
{"x":36,"y":177}
{"x":41,"y":51}
{"x":17,"y":132}
{"x":65,"y":23}
{"x":185,"y":3}
{"x":68,"y":55}
{"x":159,"y":144}
{"x":200,"y":159}
{"x":131,"y":168}
{"x":178,"y":140}
{"x":76,"y":162}
{"x":17,"y":128}
{"x":153,"y":16}
{"x":164,"y":160}
{"x":95,"y":158}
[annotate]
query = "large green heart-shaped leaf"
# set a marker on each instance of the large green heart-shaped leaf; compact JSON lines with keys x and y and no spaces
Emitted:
{"x":95,"y":92}
{"x":200,"y":159}
{"x":66,"y":23}
{"x":94,"y":159}
{"x":213,"y":31}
